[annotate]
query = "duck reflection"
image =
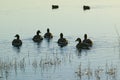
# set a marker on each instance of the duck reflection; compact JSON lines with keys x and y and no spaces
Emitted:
{"x":38,"y":44}
{"x":78,"y":53}
{"x":48,"y":42}
{"x":81,"y":52}
{"x":17,"y":49}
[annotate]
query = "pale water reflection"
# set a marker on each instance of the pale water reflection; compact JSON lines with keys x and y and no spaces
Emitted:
{"x":47,"y":61}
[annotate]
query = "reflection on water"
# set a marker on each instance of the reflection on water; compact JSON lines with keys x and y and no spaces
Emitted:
{"x":17,"y":49}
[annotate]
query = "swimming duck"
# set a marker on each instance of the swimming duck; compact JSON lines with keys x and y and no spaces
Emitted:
{"x":37,"y":37}
{"x":17,"y":42}
{"x":86,"y":7}
{"x":48,"y":35}
{"x":62,"y":41}
{"x":81,"y":45}
{"x":87,"y":41}
{"x":55,"y":6}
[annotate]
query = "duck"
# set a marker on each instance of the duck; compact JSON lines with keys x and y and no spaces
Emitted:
{"x":62,"y":41}
{"x":48,"y":35}
{"x":81,"y":45}
{"x":17,"y":42}
{"x":55,"y":6}
{"x":87,"y":41}
{"x":37,"y":38}
{"x":86,"y":7}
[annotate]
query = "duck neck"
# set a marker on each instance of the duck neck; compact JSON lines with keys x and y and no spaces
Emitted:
{"x":79,"y":42}
{"x":61,"y":37}
{"x":18,"y":37}
{"x":48,"y":31}
{"x":85,"y":37}
{"x":37,"y":33}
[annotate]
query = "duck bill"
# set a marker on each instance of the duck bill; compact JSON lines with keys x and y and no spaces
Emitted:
{"x":76,"y":40}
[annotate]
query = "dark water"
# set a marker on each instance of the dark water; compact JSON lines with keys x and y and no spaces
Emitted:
{"x":47,"y":61}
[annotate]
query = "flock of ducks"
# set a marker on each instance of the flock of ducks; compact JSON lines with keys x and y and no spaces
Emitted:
{"x":85,"y":44}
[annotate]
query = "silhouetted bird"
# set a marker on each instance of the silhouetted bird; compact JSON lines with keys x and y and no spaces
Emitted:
{"x":17,"y":42}
{"x":81,"y":45}
{"x":87,"y":41}
{"x":48,"y":35}
{"x":55,"y":6}
{"x":62,"y":41}
{"x":37,"y":37}
{"x":86,"y":7}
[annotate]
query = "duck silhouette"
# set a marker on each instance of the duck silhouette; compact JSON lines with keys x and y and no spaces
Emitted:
{"x":55,"y":6}
{"x":62,"y":41}
{"x":86,"y":7}
{"x":17,"y":42}
{"x":81,"y":45}
{"x":37,"y":38}
{"x":48,"y":35}
{"x":87,"y":41}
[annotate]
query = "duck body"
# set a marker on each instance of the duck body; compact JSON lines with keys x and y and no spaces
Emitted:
{"x":48,"y":35}
{"x":62,"y":41}
{"x":81,"y":45}
{"x":17,"y":42}
{"x":86,"y":7}
{"x":55,"y":6}
{"x":37,"y":38}
{"x":87,"y":41}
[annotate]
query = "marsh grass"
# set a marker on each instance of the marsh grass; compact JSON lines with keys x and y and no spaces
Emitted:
{"x":51,"y":62}
{"x":21,"y":64}
{"x":84,"y":72}
{"x":106,"y":72}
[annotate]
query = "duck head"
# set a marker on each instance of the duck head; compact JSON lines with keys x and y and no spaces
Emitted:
{"x":38,"y":32}
{"x":48,"y":30}
{"x":85,"y":36}
{"x":61,"y":35}
{"x":17,"y":36}
{"x":78,"y":39}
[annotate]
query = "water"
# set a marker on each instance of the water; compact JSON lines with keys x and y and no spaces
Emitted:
{"x":47,"y":61}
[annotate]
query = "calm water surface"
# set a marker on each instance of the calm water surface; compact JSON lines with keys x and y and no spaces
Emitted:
{"x":47,"y":61}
